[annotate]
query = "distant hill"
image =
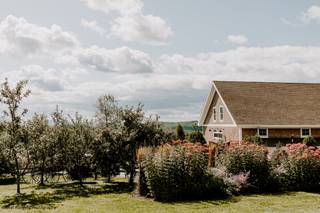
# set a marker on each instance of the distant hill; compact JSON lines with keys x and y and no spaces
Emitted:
{"x":187,"y":125}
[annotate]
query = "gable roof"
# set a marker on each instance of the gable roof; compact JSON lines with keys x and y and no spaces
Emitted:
{"x":266,"y":103}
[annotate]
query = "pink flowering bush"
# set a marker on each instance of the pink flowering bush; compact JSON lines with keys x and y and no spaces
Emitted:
{"x":302,"y":167}
{"x":249,"y":158}
{"x":177,"y":171}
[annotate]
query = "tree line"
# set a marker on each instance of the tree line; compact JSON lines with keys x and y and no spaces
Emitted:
{"x":47,"y":145}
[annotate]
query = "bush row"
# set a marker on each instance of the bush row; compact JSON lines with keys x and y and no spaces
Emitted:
{"x":180,"y":170}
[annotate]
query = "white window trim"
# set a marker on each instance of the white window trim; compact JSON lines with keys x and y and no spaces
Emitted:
{"x":219,"y":132}
{"x":305,"y":136}
{"x":214,"y":109}
{"x":263,"y":136}
{"x":221,"y":106}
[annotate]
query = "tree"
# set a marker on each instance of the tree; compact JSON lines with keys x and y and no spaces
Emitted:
{"x":14,"y":140}
{"x":107,"y":146}
{"x":79,"y":156}
{"x":196,"y":136}
{"x":180,"y":132}
{"x":137,"y":131}
{"x":41,"y":144}
{"x":132,"y":119}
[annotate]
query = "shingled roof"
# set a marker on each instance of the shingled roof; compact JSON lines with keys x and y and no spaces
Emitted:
{"x":262,"y":103}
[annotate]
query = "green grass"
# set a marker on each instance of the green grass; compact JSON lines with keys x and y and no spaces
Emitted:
{"x":118,"y":198}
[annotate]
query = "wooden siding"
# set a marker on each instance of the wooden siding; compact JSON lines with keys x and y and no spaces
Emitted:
{"x":217,"y":102}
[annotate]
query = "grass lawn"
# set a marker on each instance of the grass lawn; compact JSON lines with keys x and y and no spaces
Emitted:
{"x":118,"y":198}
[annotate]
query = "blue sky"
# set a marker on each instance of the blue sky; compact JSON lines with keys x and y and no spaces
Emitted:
{"x":161,"y":53}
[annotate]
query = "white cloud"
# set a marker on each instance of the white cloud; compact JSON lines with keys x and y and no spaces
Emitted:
{"x":131,"y":24}
{"x":312,"y":14}
{"x":143,"y":28}
{"x":121,"y":6}
{"x":17,"y":36}
{"x":237,"y":39}
{"x":92,"y":25}
{"x":173,"y":85}
{"x":39,"y":78}
{"x":119,"y":60}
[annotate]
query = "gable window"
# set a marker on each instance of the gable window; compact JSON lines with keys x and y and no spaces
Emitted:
{"x":214,"y":114}
{"x":263,"y":132}
{"x":305,"y":132}
{"x":221,"y":112}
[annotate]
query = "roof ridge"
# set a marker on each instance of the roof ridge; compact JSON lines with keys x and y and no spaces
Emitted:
{"x":265,"y":82}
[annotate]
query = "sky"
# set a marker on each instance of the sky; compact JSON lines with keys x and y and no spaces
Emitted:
{"x":163,"y":54}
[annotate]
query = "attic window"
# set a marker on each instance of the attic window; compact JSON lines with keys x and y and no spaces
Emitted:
{"x":221,"y":111}
{"x":305,"y":132}
{"x":214,"y":114}
{"x":263,"y":132}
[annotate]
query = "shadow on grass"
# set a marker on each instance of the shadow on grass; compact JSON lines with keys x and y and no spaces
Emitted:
{"x":47,"y":200}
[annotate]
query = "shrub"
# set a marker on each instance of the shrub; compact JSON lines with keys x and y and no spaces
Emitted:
{"x":196,"y":137}
{"x":252,"y":159}
{"x":309,"y":141}
{"x":234,"y":183}
{"x":5,"y":180}
{"x":178,"y":172}
{"x":253,"y":139}
{"x":180,"y":132}
{"x":302,"y":168}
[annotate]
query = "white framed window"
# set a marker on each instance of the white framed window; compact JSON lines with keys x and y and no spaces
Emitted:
{"x":218,"y":134}
{"x":214,"y":113}
{"x":263,"y":132}
{"x":221,"y":113}
{"x":305,"y":132}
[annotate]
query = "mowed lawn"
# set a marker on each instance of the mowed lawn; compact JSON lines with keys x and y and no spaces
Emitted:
{"x":117,"y":198}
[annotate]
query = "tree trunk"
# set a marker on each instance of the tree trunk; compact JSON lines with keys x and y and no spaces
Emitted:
{"x":109,"y":178}
{"x":132,"y":172}
{"x":18,"y":184}
{"x":42,"y":179}
{"x":17,"y":172}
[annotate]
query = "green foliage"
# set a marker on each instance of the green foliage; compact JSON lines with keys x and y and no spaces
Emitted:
{"x":301,"y":168}
{"x":7,"y":180}
{"x":303,"y":173}
{"x":180,"y":132}
{"x":79,"y":156}
{"x":196,"y":136}
{"x":4,"y":165}
{"x":253,"y":139}
{"x":41,"y":145}
{"x":246,"y":158}
{"x":176,"y":173}
{"x":309,"y":141}
{"x":14,"y":144}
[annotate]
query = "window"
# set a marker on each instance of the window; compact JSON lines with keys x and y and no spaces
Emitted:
{"x":263,"y":133}
{"x":217,"y":134}
{"x":221,"y":113}
{"x":305,"y":132}
{"x":214,"y":114}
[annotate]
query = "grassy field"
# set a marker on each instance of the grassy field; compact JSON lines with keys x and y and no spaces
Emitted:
{"x":187,"y":125}
{"x":118,"y":198}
